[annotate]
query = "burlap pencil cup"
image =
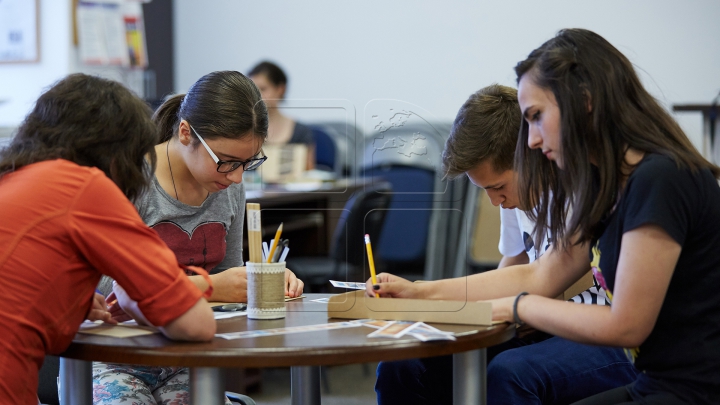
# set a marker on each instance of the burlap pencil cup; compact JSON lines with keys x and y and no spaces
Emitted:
{"x":266,"y":290}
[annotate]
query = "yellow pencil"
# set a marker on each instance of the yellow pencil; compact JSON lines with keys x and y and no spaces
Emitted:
{"x":275,"y":243}
{"x":373,"y":277}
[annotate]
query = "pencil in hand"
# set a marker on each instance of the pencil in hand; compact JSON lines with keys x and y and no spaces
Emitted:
{"x":371,"y":262}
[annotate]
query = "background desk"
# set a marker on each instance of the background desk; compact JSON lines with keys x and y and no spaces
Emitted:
{"x":309,"y":217}
{"x":302,"y":352}
{"x":709,"y":148}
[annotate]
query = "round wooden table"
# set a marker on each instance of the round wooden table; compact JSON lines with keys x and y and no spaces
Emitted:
{"x":303,"y":352}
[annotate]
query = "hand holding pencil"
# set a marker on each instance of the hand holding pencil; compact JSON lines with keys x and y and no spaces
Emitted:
{"x":371,"y":262}
{"x":391,"y":286}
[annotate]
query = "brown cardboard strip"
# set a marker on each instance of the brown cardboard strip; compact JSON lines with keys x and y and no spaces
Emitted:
{"x":579,"y":286}
{"x":355,"y":305}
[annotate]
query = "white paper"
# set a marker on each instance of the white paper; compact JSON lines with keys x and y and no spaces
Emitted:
{"x":348,"y":285}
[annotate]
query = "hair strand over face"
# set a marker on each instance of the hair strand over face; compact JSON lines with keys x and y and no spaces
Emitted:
{"x":604,"y":111}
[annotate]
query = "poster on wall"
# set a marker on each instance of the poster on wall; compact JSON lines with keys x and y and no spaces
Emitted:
{"x":111,"y":32}
{"x":101,"y":33}
{"x":19,"y":37}
{"x":135,"y":34}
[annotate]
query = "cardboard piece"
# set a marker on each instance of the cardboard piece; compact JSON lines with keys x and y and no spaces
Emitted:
{"x":118,"y":331}
{"x":285,"y":163}
{"x":581,"y":285}
{"x":354,"y":305}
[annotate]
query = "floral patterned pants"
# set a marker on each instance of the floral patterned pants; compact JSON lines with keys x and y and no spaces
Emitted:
{"x":139,"y":385}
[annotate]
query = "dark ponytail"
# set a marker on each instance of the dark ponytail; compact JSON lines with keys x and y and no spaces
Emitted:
{"x":166,"y":117}
{"x":224,"y":104}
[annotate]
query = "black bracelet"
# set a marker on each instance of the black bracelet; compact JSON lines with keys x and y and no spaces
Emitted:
{"x":516,"y":318}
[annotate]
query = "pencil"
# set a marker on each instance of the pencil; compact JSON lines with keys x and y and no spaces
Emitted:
{"x":275,"y":243}
{"x":254,"y":232}
{"x":373,"y":277}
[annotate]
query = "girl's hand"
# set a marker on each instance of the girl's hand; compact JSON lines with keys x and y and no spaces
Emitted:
{"x":114,"y":307}
{"x":293,"y":285}
{"x":390,"y":286}
{"x":502,"y":309}
{"x":99,"y":310}
{"x":230,"y":285}
{"x":129,"y":305}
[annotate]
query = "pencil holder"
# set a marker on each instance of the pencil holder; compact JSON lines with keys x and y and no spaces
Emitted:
{"x":266,"y":290}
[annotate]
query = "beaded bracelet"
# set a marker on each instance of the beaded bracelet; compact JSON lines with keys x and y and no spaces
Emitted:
{"x":515,"y":314}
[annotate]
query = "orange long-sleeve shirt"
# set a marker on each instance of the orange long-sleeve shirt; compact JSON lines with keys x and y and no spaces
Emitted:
{"x":61,"y":226}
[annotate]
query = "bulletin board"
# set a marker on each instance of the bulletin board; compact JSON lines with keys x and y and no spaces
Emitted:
{"x":110,"y":33}
{"x":19,"y":31}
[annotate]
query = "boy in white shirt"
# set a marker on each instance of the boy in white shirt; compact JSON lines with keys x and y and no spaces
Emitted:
{"x":537,"y":368}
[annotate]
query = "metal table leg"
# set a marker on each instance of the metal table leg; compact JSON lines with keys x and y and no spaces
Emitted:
{"x":75,"y":382}
{"x":207,"y":386}
{"x":470,"y":377}
{"x":305,"y":385}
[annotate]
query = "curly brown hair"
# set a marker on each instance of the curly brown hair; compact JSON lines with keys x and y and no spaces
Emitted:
{"x":92,"y":122}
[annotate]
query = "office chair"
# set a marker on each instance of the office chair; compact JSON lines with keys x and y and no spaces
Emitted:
{"x":239,"y":399}
{"x":343,"y":136}
{"x":477,"y":248}
{"x":47,"y":381}
{"x":364,"y":213}
{"x":409,"y":157}
{"x":324,"y":149}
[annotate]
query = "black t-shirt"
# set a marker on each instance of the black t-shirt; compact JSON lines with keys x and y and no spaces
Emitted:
{"x":682,"y":353}
{"x":302,"y":134}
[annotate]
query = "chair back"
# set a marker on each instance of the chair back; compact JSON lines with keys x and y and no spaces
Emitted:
{"x":325,"y":150}
{"x":364,"y":213}
{"x":343,"y":136}
{"x":477,"y":247}
{"x":410,"y":158}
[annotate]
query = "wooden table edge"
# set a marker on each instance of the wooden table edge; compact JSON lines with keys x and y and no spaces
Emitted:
{"x":205,"y":356}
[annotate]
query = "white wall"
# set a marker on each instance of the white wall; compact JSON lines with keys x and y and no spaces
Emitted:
{"x":22,"y":84}
{"x":435,"y":53}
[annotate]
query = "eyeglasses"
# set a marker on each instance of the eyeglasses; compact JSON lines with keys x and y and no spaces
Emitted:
{"x":227,"y":166}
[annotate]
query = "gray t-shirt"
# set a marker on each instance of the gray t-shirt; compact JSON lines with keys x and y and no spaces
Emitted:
{"x":209,"y":236}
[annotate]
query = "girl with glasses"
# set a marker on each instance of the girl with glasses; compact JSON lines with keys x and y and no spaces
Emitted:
{"x":196,"y":203}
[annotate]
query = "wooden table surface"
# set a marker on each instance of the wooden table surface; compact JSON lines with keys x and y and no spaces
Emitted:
{"x":332,"y":347}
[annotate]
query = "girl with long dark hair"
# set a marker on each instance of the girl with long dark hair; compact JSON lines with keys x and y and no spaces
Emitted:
{"x":645,"y":217}
{"x":631,"y":199}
